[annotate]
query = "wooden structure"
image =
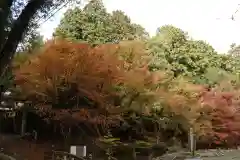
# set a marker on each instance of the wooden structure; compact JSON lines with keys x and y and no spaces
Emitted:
{"x":9,"y":107}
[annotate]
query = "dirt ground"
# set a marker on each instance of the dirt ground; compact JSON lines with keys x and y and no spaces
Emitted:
{"x":23,"y":149}
{"x":14,"y":145}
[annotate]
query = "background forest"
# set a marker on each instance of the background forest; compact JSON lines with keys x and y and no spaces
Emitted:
{"x":105,"y":75}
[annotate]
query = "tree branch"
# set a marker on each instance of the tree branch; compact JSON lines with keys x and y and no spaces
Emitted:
{"x":15,"y":35}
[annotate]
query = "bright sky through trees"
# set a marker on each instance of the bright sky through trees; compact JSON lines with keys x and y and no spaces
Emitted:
{"x":203,"y":19}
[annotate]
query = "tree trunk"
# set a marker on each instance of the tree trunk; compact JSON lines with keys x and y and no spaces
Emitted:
{"x":5,"y":10}
{"x":15,"y":35}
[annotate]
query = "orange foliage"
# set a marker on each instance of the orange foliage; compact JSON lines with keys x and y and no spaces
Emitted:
{"x":71,"y":81}
{"x":68,"y":75}
{"x":75,"y":82}
{"x":214,"y":114}
{"x":181,"y":100}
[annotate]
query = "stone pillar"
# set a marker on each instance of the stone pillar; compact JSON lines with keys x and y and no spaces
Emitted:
{"x":24,"y":122}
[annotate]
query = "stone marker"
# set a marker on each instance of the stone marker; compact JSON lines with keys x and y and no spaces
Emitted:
{"x":79,"y":151}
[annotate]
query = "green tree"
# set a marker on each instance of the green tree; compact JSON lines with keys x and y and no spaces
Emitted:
{"x":95,"y":25}
{"x":31,"y":42}
{"x":124,"y":29}
{"x":173,"y":50}
{"x":199,"y":46}
{"x":234,"y":50}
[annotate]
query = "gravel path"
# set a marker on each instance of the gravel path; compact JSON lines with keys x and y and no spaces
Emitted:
{"x":205,"y":155}
{"x":220,"y":154}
